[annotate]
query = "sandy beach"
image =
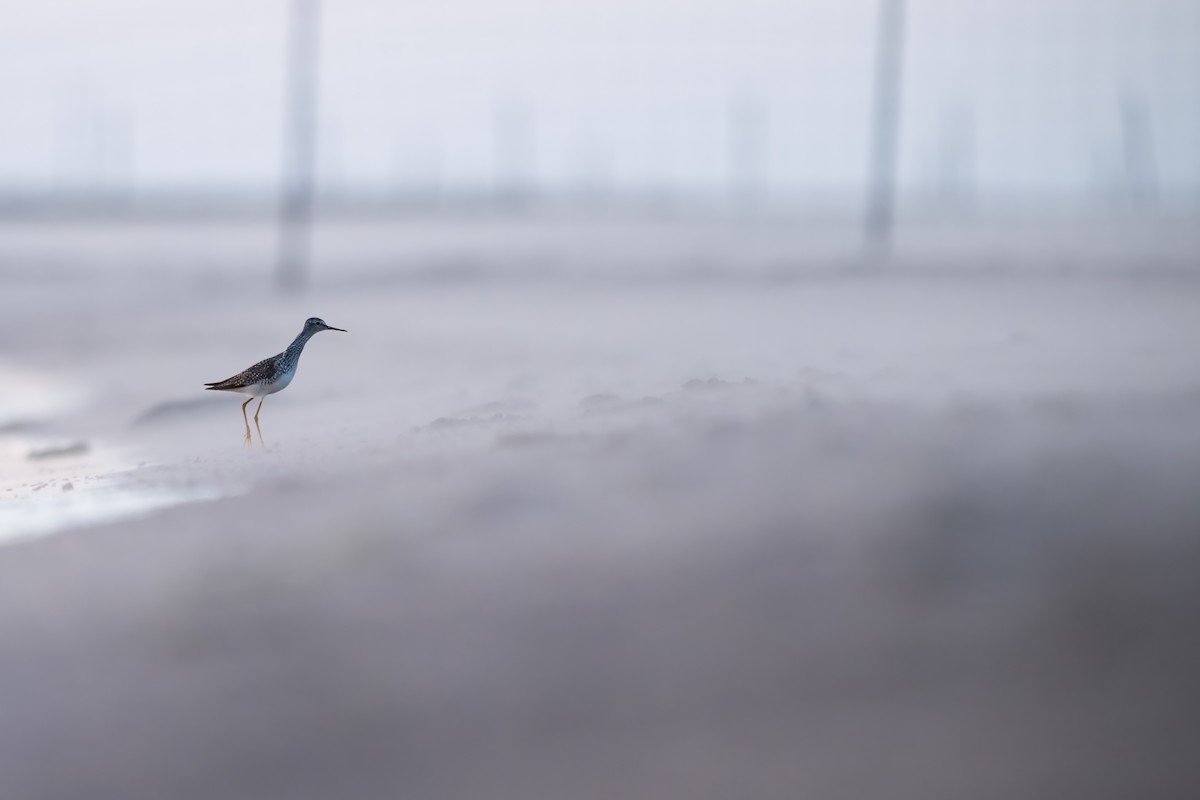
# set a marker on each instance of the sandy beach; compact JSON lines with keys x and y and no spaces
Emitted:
{"x":767,"y":529}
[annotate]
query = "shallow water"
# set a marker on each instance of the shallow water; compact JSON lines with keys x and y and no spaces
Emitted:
{"x":50,"y":484}
{"x":52,"y":510}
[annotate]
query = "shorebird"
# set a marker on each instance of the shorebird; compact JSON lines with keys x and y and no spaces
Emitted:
{"x":272,"y":374}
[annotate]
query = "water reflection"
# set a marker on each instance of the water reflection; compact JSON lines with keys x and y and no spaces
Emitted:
{"x":48,"y":507}
{"x":49,"y":483}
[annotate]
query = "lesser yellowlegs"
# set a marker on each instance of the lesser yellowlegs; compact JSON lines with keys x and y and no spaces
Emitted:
{"x":272,"y":374}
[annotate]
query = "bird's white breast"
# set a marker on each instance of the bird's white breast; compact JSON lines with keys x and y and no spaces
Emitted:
{"x":262,"y":389}
{"x":280,"y":384}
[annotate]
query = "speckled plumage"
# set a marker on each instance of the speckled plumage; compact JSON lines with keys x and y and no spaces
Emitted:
{"x":264,"y":372}
{"x":272,"y":374}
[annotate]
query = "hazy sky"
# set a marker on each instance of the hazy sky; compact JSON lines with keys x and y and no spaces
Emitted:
{"x":1020,"y":94}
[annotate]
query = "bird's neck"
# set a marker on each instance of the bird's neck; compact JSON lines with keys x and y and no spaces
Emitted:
{"x":297,"y":346}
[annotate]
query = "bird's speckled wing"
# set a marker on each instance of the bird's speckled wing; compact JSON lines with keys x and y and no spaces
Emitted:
{"x":264,"y":371}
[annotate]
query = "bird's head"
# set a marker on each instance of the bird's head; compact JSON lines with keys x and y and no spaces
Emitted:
{"x":316,"y":325}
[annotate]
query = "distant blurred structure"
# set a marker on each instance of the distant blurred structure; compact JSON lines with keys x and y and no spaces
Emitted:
{"x":514,"y":155}
{"x":747,"y":149}
{"x":1138,"y":152}
{"x":95,"y":147}
{"x":947,"y":163}
{"x":874,"y":111}
{"x":299,"y":146}
{"x":885,"y":133}
{"x":955,"y":178}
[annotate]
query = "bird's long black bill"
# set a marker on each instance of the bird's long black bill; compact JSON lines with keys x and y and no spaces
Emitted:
{"x":331,"y":328}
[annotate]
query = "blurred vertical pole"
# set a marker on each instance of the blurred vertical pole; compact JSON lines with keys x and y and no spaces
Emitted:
{"x":1137,"y":150}
{"x":955,"y":176}
{"x":124,"y":155}
{"x":299,"y":146}
{"x":514,"y":154}
{"x":747,"y":149}
{"x":593,"y":171}
{"x":881,"y":198}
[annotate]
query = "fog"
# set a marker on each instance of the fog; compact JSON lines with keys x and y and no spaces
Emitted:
{"x":1023,"y":96}
{"x":760,"y":399}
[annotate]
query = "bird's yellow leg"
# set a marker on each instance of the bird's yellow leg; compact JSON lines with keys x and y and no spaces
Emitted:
{"x":247,"y":421}
{"x":261,"y":443}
